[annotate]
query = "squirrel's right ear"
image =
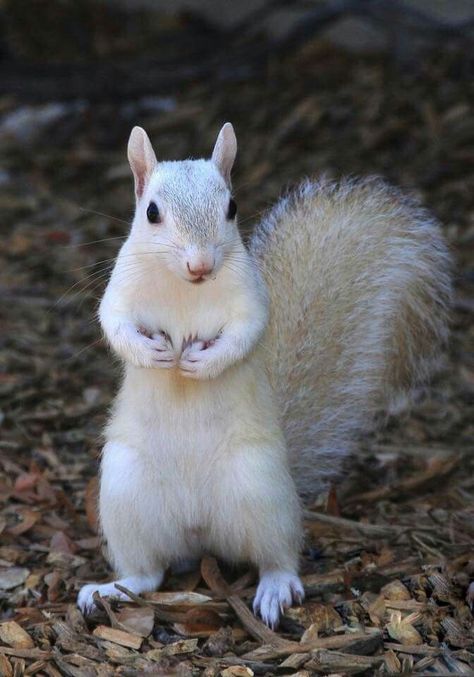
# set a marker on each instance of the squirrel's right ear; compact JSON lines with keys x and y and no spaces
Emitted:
{"x":142,"y":158}
{"x":225,"y":151}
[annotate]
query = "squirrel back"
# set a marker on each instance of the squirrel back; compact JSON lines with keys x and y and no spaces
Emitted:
{"x":359,"y":286}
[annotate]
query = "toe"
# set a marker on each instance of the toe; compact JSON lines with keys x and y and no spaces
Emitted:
{"x":276,"y":592}
{"x":297,"y":591}
{"x":85,"y":599}
{"x":269,"y":609}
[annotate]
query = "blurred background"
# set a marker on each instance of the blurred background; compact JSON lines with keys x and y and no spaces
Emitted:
{"x":334,"y":86}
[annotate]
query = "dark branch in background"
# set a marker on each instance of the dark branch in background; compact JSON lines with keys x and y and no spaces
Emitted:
{"x":235,"y":54}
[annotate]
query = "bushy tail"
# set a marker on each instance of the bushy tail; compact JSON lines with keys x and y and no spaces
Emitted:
{"x":359,"y":283}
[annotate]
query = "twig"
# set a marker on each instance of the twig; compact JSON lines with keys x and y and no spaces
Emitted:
{"x":38,"y":654}
{"x":416,"y":649}
{"x":414,"y":483}
{"x":161,"y":614}
{"x":373,"y":530}
{"x":357,"y":642}
{"x":211,"y":574}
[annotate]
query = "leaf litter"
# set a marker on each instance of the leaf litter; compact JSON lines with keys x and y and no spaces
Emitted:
{"x":389,"y":557}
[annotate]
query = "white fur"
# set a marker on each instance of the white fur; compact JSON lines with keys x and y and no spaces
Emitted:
{"x":136,"y":584}
{"x":195,"y":459}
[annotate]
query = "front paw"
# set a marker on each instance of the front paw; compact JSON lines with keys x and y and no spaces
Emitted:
{"x":153,"y":351}
{"x":198,"y":360}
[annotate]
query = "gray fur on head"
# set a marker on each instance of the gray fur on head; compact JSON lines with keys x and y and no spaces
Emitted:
{"x":192,"y":203}
{"x":195,"y":193}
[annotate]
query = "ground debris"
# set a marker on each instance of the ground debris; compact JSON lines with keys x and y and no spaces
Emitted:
{"x":388,"y":567}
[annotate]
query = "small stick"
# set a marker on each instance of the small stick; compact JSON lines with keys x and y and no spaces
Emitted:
{"x":211,"y":574}
{"x":374,"y":530}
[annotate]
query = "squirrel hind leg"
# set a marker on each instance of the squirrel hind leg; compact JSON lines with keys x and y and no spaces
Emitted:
{"x":277,"y":590}
{"x":136,"y":584}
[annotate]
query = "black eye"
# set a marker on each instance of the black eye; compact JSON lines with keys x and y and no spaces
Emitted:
{"x":232,"y":210}
{"x":153,"y":213}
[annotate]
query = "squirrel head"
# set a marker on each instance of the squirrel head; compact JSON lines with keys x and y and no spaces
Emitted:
{"x":184,"y":210}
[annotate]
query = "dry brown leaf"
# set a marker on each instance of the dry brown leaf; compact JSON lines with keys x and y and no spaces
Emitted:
{"x":60,"y":542}
{"x":26,"y":481}
{"x":137,"y":620}
{"x":199,"y":622}
{"x":28,"y":519}
{"x":13,"y":634}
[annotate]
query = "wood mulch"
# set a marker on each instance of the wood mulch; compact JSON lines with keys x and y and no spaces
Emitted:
{"x":389,"y":555}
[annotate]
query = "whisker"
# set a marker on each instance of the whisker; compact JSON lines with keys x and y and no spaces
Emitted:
{"x":79,"y":352}
{"x":107,"y":216}
{"x":85,"y":244}
{"x":93,"y":277}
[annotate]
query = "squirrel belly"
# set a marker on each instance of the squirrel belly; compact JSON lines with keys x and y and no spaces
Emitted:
{"x":360,"y":287}
{"x":195,"y":466}
{"x":209,"y":467}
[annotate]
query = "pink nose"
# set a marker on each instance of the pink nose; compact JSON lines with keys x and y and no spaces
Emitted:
{"x":198,"y":270}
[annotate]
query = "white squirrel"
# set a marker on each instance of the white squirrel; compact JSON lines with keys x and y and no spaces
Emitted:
{"x":250,"y":374}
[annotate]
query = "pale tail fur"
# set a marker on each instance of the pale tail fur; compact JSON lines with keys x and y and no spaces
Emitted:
{"x":359,"y":282}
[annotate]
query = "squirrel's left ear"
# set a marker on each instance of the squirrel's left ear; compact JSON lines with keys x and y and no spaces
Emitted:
{"x":142,"y":158}
{"x":225,"y":151}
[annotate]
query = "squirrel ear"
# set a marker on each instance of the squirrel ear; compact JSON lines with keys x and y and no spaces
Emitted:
{"x":141,"y":157}
{"x":225,"y":151}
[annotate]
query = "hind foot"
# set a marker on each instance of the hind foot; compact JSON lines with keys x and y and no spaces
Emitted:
{"x":136,"y":584}
{"x":276,"y":591}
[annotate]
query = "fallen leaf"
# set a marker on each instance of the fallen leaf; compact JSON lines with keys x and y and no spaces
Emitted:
{"x":28,"y":519}
{"x":13,"y":634}
{"x":62,"y":543}
{"x":26,"y":481}
{"x":138,"y":620}
{"x":199,"y":622}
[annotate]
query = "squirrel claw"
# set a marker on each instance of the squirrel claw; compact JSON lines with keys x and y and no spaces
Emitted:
{"x":276,"y":591}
